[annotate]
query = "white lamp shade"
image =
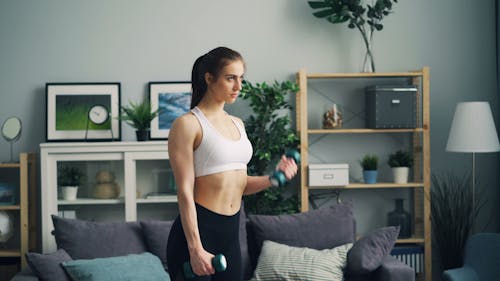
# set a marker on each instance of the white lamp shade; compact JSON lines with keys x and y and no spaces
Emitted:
{"x":473,"y":129}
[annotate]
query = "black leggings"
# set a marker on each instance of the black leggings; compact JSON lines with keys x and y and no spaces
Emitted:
{"x":219,"y":235}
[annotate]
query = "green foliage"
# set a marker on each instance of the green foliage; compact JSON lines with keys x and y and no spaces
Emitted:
{"x":369,"y":162}
{"x":268,"y":129}
{"x":400,"y":159}
{"x":452,"y":216}
{"x":366,"y":18}
{"x":138,"y":115}
{"x":69,"y":176}
{"x":352,"y":11}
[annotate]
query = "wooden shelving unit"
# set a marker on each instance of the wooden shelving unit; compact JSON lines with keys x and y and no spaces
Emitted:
{"x":420,"y":147}
{"x":27,"y":176}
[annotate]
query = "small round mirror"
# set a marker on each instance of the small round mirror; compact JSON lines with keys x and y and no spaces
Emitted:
{"x":11,"y":129}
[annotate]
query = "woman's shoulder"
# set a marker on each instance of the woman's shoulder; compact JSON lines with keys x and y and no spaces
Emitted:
{"x":185,"y":121}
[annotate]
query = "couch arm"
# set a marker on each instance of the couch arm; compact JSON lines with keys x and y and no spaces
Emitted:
{"x":25,"y":275}
{"x":465,"y":273}
{"x":392,"y":269}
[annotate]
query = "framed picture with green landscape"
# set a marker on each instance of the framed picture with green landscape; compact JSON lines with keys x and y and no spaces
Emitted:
{"x":83,"y":111}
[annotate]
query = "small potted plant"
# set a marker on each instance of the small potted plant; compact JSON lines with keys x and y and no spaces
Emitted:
{"x":400,"y":162}
{"x":369,"y":163}
{"x":69,"y":179}
{"x":139,"y":116}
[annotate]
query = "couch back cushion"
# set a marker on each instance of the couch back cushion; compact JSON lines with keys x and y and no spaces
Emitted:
{"x":87,"y":240}
{"x":323,"y":228}
{"x":156,"y":235}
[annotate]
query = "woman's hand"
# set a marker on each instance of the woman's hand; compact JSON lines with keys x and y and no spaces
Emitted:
{"x":288,"y":167}
{"x":201,"y":263}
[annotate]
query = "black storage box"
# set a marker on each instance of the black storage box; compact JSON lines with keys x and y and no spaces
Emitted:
{"x":390,"y":106}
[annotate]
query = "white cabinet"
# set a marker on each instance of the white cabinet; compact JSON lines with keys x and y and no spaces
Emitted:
{"x":142,"y":172}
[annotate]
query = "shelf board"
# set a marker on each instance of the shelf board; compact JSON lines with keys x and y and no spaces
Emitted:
{"x":166,"y":199}
{"x":411,"y":240}
{"x":375,"y":185}
{"x":90,"y":201}
{"x":364,"y":75}
{"x":363,"y":131}
{"x":9,"y":207}
{"x":10,"y":165}
{"x":10,"y":253}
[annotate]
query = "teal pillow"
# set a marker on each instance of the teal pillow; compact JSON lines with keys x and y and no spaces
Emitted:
{"x":134,"y":267}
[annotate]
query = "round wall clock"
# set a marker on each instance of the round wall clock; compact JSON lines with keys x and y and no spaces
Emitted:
{"x":98,"y":114}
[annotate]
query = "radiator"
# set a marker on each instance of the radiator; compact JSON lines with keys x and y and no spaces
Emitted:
{"x":413,"y":256}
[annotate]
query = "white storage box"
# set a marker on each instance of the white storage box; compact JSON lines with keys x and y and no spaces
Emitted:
{"x":328,"y":174}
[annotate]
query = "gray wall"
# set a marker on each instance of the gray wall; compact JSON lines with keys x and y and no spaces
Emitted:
{"x":139,"y":41}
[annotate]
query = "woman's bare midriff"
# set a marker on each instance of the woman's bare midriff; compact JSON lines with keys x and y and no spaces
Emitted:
{"x":221,"y":192}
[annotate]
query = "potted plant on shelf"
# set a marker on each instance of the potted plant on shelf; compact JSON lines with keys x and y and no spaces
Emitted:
{"x":69,"y":179}
{"x":139,"y":116}
{"x":369,"y":163}
{"x":400,"y":162}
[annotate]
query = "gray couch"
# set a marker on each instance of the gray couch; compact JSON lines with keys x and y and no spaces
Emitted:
{"x":324,"y":228}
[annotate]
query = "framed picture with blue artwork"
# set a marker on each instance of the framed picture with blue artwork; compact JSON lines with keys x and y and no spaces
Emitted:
{"x":171,"y":99}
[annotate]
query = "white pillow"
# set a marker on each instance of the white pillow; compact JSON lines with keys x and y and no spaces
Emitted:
{"x":282,"y":262}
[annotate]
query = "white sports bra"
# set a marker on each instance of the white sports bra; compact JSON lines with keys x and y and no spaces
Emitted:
{"x":217,"y":153}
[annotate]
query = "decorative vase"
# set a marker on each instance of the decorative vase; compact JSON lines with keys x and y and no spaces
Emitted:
{"x":400,"y":174}
{"x":142,"y":135}
{"x":369,"y":60}
{"x":370,"y":176}
{"x":400,"y":217}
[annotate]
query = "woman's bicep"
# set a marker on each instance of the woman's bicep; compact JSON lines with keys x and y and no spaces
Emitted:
{"x":180,"y":149}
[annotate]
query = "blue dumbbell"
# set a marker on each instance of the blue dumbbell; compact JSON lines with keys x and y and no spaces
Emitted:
{"x":218,"y":262}
{"x":278,"y":177}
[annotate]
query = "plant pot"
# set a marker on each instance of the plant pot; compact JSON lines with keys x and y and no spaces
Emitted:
{"x":69,"y":192}
{"x":142,"y":135}
{"x":400,"y":174}
{"x":370,"y":176}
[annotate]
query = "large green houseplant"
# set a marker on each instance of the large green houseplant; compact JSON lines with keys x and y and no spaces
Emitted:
{"x":366,"y":17}
{"x":268,"y":129}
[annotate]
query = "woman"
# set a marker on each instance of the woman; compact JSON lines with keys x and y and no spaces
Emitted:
{"x":209,"y":151}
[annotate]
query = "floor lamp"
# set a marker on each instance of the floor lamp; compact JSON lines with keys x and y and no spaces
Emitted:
{"x":473,"y":130}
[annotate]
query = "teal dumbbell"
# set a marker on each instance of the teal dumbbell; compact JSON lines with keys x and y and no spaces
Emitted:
{"x":278,"y":177}
{"x":218,"y":262}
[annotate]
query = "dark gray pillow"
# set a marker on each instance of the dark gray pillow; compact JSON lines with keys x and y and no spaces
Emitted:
{"x":156,"y":235}
{"x":319,"y":229}
{"x":368,"y":252}
{"x":47,"y":267}
{"x":88,"y":240}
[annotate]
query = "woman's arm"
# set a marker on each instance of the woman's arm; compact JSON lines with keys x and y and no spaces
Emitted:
{"x":181,"y":142}
{"x":258,"y":183}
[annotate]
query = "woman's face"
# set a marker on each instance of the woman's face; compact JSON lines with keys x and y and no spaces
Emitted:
{"x":226,"y":87}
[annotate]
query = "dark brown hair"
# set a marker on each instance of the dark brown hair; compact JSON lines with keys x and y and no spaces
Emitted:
{"x":211,"y":62}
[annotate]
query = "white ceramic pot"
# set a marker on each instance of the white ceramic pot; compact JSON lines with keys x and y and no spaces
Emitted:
{"x":400,"y":174}
{"x":69,"y":192}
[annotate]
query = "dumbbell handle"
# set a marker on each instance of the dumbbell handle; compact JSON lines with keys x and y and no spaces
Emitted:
{"x":218,"y":262}
{"x":278,"y":178}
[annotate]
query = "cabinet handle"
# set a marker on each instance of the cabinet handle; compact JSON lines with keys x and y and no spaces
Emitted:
{"x":396,"y":101}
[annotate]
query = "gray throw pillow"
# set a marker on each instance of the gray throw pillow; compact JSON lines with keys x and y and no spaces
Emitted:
{"x":156,"y":235}
{"x":323,"y":228}
{"x":368,"y":252}
{"x":281,"y":262}
{"x":47,"y":267}
{"x":87,"y":240}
